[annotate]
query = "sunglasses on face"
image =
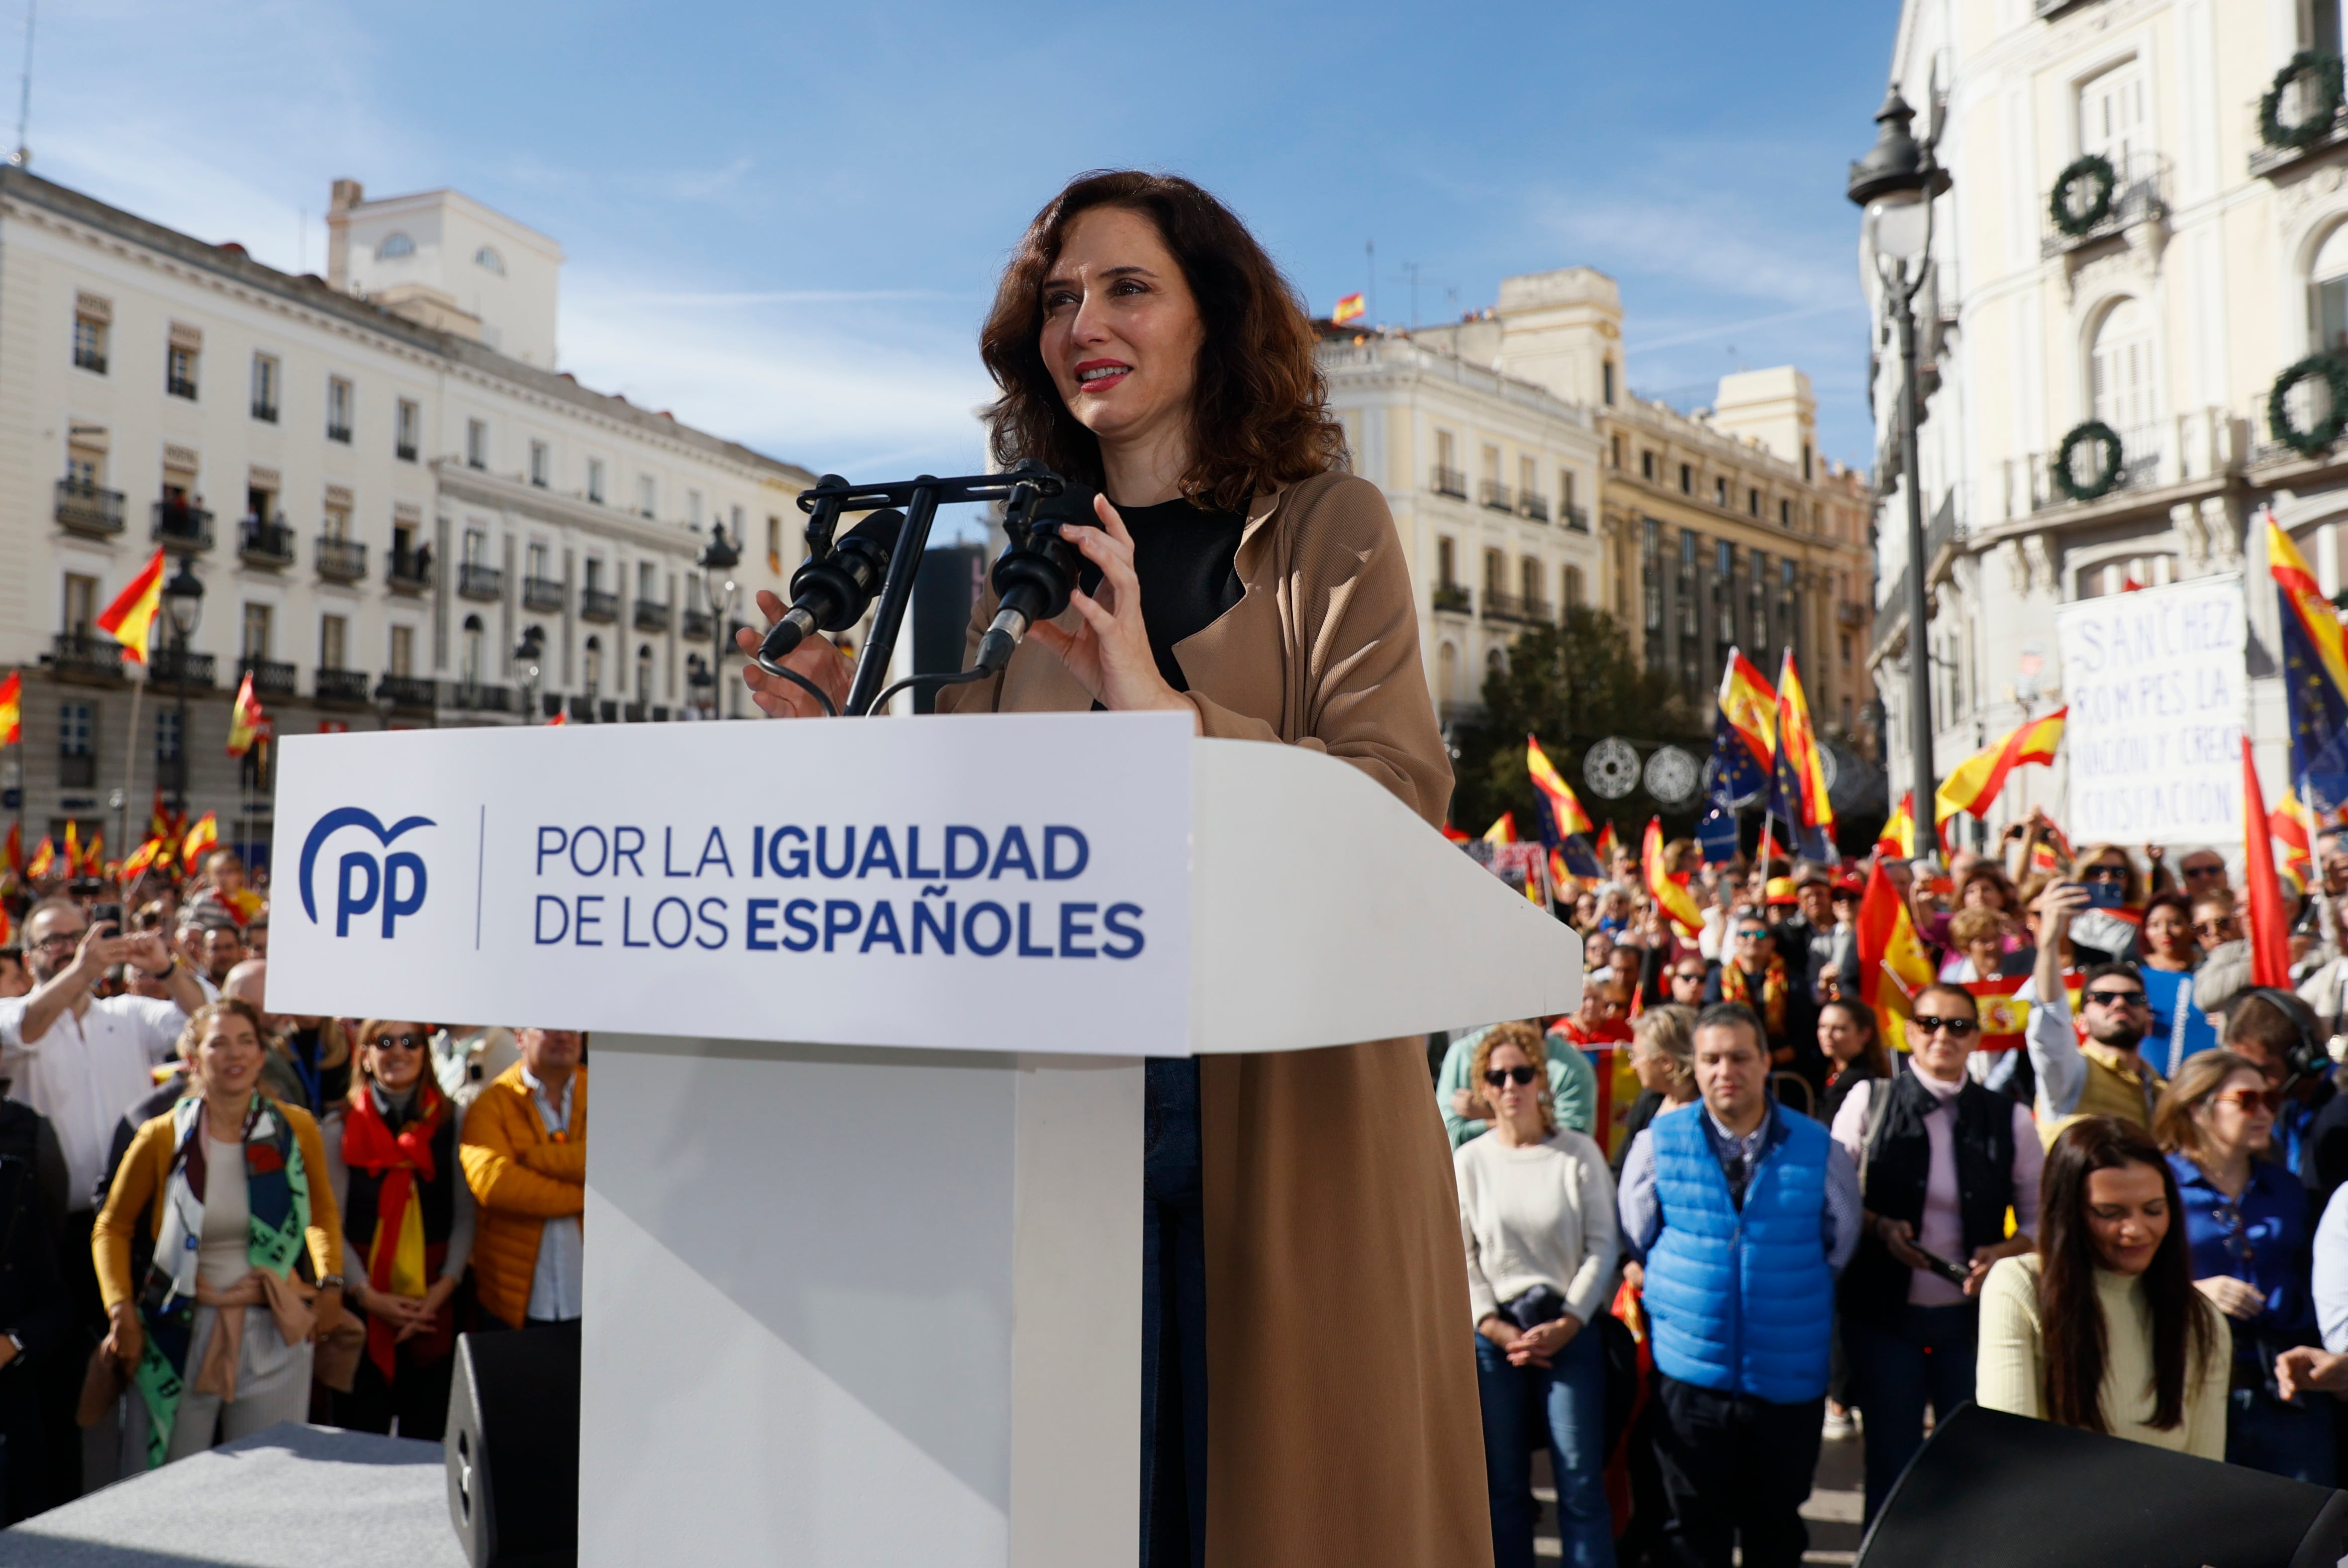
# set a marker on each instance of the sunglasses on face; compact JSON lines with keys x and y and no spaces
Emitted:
{"x":1691,"y":977}
{"x":1754,"y":934}
{"x":1958,"y":1028}
{"x":2105,"y":873}
{"x":2116,"y":998}
{"x":1495,"y":1077}
{"x":2213,"y":927}
{"x":401,"y":1042}
{"x":2249,"y":1100}
{"x":2217,"y":871}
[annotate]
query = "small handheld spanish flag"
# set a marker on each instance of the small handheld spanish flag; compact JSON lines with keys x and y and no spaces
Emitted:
{"x":1350,"y":308}
{"x":1670,"y":892}
{"x":1974,"y":783}
{"x":201,"y":837}
{"x":130,"y":619}
{"x":11,"y":708}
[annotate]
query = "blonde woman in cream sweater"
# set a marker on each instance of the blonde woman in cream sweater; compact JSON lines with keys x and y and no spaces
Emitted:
{"x":2103,"y":1329}
{"x":1537,"y":1214}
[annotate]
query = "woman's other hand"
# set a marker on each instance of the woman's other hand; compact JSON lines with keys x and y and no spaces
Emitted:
{"x":1538,"y":1345}
{"x":2234,"y":1297}
{"x":127,"y":1338}
{"x":1500,"y":1331}
{"x":814,"y":658}
{"x":1110,"y":654}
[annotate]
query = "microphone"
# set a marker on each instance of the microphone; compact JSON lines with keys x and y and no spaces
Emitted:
{"x":1035,"y":571}
{"x":831,"y":593}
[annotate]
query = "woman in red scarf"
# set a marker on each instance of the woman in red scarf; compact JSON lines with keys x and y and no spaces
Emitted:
{"x":409,"y":1233}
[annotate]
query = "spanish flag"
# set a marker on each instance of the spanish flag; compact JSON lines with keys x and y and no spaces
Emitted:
{"x":1350,"y":308}
{"x":93,"y":860}
{"x":244,"y":718}
{"x":1503,"y":831}
{"x":1898,"y":835}
{"x":15,"y":856}
{"x":1892,"y":962}
{"x":1565,"y":826}
{"x":141,"y":860}
{"x":1670,"y":892}
{"x":1974,"y":784}
{"x":2314,"y":674}
{"x":1797,"y":780}
{"x":45,"y":860}
{"x":2289,"y":825}
{"x":1609,"y":846}
{"x":130,"y":619}
{"x":11,"y":708}
{"x":1450,"y":833}
{"x":1749,"y":708}
{"x":201,"y":837}
{"x":2003,"y":1014}
{"x":73,"y":848}
{"x":558,"y":718}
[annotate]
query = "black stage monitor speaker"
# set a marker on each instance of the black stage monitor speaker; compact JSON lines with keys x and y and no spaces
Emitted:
{"x":512,"y":1448}
{"x":1996,"y":1489}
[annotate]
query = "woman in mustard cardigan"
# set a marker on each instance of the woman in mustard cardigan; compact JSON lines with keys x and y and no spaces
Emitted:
{"x":1303,"y":1270}
{"x":231,"y":1185}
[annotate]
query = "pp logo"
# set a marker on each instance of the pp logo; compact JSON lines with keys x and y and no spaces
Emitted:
{"x":363,"y":884}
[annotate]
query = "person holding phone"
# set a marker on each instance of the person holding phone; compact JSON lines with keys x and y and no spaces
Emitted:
{"x":2106,"y":1076}
{"x":1941,"y":1160}
{"x":2104,"y":929}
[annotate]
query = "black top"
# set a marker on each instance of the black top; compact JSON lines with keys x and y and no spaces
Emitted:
{"x":1183,"y":557}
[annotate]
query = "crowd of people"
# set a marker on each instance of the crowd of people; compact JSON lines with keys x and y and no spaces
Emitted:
{"x":215,"y":1217}
{"x":1738,"y":1204}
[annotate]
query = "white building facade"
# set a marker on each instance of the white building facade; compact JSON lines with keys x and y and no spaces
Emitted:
{"x":1492,"y":482}
{"x":378,"y":503}
{"x":2196,"y":261}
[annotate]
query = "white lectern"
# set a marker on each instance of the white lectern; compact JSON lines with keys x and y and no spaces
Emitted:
{"x":864,"y":1195}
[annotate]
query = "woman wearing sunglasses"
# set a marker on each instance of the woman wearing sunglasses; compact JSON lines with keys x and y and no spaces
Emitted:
{"x":1937,"y":1188}
{"x":1537,"y":1214}
{"x":408,"y":1227}
{"x":2246,"y":1223}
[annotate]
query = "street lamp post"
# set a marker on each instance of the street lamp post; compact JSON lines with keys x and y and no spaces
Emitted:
{"x":528,"y":655}
{"x":1895,"y":184}
{"x":717,"y":560}
{"x":183,"y":600}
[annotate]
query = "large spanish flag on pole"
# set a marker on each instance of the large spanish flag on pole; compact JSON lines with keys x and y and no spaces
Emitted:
{"x":1565,"y":826}
{"x":1974,"y":784}
{"x":1892,"y":962}
{"x":1744,"y":733}
{"x":1797,"y":781}
{"x":2315,"y":677}
{"x":130,"y":619}
{"x":1670,"y":892}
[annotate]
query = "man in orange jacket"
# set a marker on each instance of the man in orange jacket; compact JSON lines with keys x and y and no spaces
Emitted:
{"x":525,"y":1155}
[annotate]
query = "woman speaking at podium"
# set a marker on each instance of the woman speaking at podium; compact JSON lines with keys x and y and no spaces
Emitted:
{"x":1309,"y":1393}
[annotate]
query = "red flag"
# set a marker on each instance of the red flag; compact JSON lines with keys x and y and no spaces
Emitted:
{"x":2270,"y":941}
{"x":1889,"y":951}
{"x":1450,"y":833}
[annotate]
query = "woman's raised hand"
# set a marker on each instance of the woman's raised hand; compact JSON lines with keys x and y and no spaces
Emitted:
{"x":1110,"y":654}
{"x":814,"y":658}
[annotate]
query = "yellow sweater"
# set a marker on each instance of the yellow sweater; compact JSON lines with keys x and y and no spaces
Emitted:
{"x":2010,"y":1372}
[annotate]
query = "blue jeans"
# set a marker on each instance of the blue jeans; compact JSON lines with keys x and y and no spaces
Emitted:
{"x":1894,"y":1373}
{"x":1569,"y":1398}
{"x":1173,"y":1320}
{"x":2263,"y":1433}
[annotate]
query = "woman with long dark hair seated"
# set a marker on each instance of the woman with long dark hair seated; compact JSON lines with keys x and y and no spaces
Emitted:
{"x":2102,"y":1328}
{"x":1302,"y":1268}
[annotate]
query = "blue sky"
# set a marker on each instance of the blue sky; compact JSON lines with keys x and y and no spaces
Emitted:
{"x":784,"y":222}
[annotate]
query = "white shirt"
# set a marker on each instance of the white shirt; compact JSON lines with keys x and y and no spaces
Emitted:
{"x":1540,"y":1214}
{"x":557,"y":1286}
{"x":86,"y":1072}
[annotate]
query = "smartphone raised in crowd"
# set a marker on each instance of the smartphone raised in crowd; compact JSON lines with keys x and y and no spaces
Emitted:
{"x":106,"y":914}
{"x":2105,"y":894}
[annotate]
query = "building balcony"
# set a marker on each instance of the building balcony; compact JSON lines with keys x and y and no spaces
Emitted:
{"x":1516,"y":607}
{"x":695,"y":625}
{"x":341,"y":560}
{"x":407,"y":694}
{"x":182,"y":526}
{"x":1576,"y":518}
{"x":1496,"y":495}
{"x":2139,"y":195}
{"x":583,"y":710}
{"x":89,"y":656}
{"x":268,"y":545}
{"x":270,"y":677}
{"x":485,"y":583}
{"x":2142,"y":464}
{"x":174,"y":666}
{"x":651,"y":615}
{"x":542,"y":594}
{"x":1448,"y":481}
{"x":595,"y":604}
{"x":1532,"y":506}
{"x":473,"y":697}
{"x":179,"y":386}
{"x":1454,"y":599}
{"x":410,"y":572}
{"x":2297,"y":106}
{"x":405,"y":451}
{"x":85,"y":509}
{"x":1851,"y":613}
{"x":339,"y":433}
{"x":265,"y":412}
{"x":341,"y":688}
{"x":635,"y":713}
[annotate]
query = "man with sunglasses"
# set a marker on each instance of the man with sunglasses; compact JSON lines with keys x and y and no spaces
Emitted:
{"x":1757,"y":974}
{"x":1940,"y":1161}
{"x":2105,"y":1076}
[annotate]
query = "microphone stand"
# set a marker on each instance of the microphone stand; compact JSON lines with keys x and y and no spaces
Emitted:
{"x":919,"y":498}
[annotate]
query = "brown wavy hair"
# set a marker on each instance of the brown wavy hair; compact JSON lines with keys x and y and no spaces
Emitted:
{"x":2183,"y":1331}
{"x":1259,"y":414}
{"x":1527,"y":1037}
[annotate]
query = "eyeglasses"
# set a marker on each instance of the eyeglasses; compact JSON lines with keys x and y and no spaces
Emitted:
{"x":1520,"y":1076}
{"x":1926,"y":1024}
{"x":2116,"y":998}
{"x":1692,"y":977}
{"x":60,"y":939}
{"x":1751,"y":934}
{"x":2217,"y":871}
{"x":2249,"y":1100}
{"x":2105,"y":873}
{"x":2214,"y":927}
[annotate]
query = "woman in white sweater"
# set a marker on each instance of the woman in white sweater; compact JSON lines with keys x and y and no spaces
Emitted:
{"x":1537,"y":1213}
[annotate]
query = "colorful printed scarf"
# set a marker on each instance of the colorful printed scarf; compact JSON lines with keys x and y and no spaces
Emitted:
{"x":277,"y":1190}
{"x":397,"y":1260}
{"x":1735,"y":988}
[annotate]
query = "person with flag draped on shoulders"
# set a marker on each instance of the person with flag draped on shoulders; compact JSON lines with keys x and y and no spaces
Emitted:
{"x":1755,"y":973}
{"x":407,"y":1229}
{"x":217,"y":1340}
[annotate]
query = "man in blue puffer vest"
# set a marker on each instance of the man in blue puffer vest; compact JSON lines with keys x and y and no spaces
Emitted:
{"x":1741,"y":1214}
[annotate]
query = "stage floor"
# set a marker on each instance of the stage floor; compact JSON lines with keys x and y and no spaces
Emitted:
{"x":290,"y":1497}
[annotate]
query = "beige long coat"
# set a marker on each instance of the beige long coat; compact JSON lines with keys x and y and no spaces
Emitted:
{"x":1343,"y":1425}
